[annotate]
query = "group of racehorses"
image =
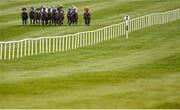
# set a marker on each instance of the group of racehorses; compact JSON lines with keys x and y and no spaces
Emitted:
{"x":53,"y":16}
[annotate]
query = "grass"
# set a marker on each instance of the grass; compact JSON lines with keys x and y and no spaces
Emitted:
{"x":142,"y":72}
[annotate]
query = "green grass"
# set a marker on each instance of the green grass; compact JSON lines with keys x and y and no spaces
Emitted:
{"x":141,"y":72}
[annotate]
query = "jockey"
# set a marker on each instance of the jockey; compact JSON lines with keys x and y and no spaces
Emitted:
{"x":38,"y":10}
{"x":61,"y":6}
{"x":54,"y":9}
{"x":87,"y":9}
{"x":61,"y":10}
{"x":43,"y":8}
{"x":49,"y":10}
{"x":87,"y":16}
{"x":32,"y":9}
{"x":23,"y":9}
{"x":75,"y":9}
{"x":70,"y":9}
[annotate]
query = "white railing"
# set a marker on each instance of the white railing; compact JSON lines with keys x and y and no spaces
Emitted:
{"x":34,"y":46}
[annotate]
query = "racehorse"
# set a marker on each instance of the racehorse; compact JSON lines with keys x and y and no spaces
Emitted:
{"x":73,"y":17}
{"x":68,"y":16}
{"x":32,"y":16}
{"x":56,"y":18}
{"x":37,"y":16}
{"x":50,"y":16}
{"x":87,"y":18}
{"x":44,"y":16}
{"x":24,"y":16}
{"x":61,"y":16}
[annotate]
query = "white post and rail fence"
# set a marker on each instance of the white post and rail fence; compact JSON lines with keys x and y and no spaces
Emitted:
{"x":34,"y":46}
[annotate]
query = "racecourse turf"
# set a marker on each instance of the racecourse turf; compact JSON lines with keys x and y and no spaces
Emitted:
{"x":141,"y":72}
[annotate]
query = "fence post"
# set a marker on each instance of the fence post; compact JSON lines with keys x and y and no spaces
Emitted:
{"x":46,"y":45}
{"x":29,"y":47}
{"x":69,"y":41}
{"x":59,"y":47}
{"x":57,"y":44}
{"x":25,"y":48}
{"x":36,"y":47}
{"x":105,"y":29}
{"x":97,"y":37}
{"x":49,"y":44}
{"x":75,"y":41}
{"x":89,"y":40}
{"x":42,"y":45}
{"x":9,"y":51}
{"x":21,"y":49}
{"x":13,"y":50}
{"x":94,"y":38}
{"x":78,"y":43}
{"x":17,"y":50}
{"x":66,"y":43}
{"x":62,"y":44}
{"x":1,"y":48}
{"x":111,"y":35}
{"x":86,"y":39}
{"x":40,"y":49}
{"x":53,"y":45}
{"x":5,"y":51}
{"x":112,"y":27}
{"x":99,"y":34}
{"x":72,"y":37}
{"x":32,"y":47}
{"x":80,"y":40}
{"x":103,"y":34}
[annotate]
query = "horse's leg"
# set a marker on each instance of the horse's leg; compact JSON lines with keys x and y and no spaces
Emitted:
{"x":60,"y":22}
{"x":76,"y":23}
{"x":85,"y":21}
{"x":42,"y":22}
{"x":63,"y":20}
{"x":89,"y":21}
{"x":76,"y":19}
{"x":70,"y":22}
{"x":46,"y":21}
{"x":55,"y":22}
{"x":34,"y":21}
{"x":51,"y":21}
{"x":23,"y":22}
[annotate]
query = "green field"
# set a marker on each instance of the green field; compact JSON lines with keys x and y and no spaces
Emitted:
{"x":141,"y":72}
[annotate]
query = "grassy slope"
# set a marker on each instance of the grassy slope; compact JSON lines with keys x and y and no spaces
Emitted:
{"x":142,"y":72}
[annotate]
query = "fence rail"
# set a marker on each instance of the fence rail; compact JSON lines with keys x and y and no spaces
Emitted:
{"x":34,"y":46}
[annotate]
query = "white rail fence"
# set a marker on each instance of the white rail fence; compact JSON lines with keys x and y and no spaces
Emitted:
{"x":34,"y":46}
